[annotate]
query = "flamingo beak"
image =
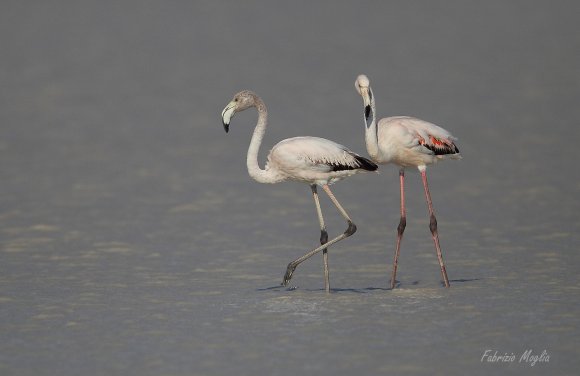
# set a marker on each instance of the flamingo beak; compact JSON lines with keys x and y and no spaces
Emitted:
{"x":365,"y":93}
{"x":367,"y":97}
{"x":227,"y":114}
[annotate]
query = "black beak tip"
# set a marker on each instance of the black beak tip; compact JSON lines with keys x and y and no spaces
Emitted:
{"x":226,"y":127}
{"x":367,"y":111}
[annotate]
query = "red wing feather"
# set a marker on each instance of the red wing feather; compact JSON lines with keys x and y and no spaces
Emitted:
{"x":439,"y":146}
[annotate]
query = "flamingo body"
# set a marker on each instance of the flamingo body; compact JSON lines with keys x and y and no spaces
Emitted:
{"x":315,"y":160}
{"x":312,"y":160}
{"x":410,"y":142}
{"x":407,"y":142}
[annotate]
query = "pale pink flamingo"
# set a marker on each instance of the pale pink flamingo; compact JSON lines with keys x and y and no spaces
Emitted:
{"x":406,"y":142}
{"x":312,"y":160}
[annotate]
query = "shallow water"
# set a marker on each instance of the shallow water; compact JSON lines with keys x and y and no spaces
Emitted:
{"x":133,"y":241}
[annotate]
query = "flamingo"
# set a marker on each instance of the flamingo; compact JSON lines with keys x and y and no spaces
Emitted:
{"x":407,"y":142}
{"x":312,"y":160}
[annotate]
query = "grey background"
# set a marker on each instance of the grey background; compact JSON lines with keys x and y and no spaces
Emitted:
{"x":133,"y":242}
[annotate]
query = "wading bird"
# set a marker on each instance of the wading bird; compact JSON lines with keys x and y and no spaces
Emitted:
{"x":312,"y":160}
{"x":406,"y":142}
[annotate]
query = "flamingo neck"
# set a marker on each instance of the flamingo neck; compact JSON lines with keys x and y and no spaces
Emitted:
{"x":371,"y":132}
{"x":257,"y":173}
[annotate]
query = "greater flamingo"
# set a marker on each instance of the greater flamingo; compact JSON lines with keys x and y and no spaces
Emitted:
{"x":312,"y":160}
{"x":407,"y":142}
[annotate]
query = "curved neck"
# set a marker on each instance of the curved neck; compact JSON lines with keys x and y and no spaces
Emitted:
{"x":371,"y":132}
{"x":258,"y":174}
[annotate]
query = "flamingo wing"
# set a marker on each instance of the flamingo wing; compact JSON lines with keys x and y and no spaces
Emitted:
{"x":430,"y":138}
{"x":317,"y":154}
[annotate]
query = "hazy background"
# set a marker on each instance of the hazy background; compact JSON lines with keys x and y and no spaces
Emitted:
{"x":133,"y":242}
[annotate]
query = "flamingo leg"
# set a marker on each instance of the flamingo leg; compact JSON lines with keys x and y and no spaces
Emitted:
{"x":400,"y":228}
{"x":323,"y":237}
{"x":433,"y":228}
{"x":348,"y":232}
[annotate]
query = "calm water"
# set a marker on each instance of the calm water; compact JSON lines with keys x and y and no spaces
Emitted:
{"x":133,"y":242}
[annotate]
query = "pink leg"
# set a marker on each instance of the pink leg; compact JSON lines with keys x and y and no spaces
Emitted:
{"x":400,"y":228}
{"x":433,"y":228}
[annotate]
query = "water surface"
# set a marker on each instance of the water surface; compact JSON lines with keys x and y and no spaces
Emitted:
{"x":133,"y":242}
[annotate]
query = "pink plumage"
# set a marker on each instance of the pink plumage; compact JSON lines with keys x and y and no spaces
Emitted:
{"x":406,"y":142}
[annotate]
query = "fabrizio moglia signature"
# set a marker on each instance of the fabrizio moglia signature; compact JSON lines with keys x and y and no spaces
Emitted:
{"x":527,"y":357}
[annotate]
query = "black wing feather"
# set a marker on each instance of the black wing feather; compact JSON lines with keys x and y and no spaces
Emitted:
{"x":361,"y":163}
